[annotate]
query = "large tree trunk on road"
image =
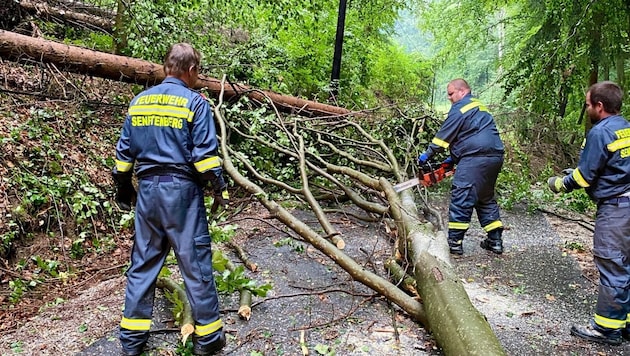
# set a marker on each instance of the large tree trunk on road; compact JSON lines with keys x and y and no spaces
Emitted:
{"x":17,"y":47}
{"x":457,"y":325}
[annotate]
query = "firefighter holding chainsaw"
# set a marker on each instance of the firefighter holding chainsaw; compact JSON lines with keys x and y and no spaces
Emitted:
{"x":603,"y":170}
{"x":169,"y":140}
{"x":470,"y":134}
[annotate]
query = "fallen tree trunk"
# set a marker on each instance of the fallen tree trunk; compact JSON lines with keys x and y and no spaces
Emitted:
{"x":457,"y":325}
{"x":18,"y":47}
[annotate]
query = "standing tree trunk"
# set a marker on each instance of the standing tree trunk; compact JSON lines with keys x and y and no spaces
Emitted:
{"x":120,"y":28}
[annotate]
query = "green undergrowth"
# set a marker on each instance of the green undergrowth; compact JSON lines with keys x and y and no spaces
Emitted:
{"x":57,"y":202}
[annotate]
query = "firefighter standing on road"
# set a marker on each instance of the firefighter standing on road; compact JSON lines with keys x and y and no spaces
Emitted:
{"x":469,"y":132}
{"x":604,"y":172}
{"x":170,"y":138}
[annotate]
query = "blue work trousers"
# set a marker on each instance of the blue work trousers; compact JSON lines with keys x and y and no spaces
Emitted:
{"x":170,"y":212}
{"x":473,"y":189}
{"x":611,"y":252}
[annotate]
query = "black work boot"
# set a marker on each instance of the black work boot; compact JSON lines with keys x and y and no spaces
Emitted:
{"x":598,"y":334}
{"x":625,"y":333}
{"x":455,"y":246}
{"x":210,"y":349}
{"x":493,"y":242}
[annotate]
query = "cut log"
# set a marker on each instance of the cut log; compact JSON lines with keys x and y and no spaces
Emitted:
{"x":459,"y":328}
{"x":18,"y":47}
{"x":456,"y":324}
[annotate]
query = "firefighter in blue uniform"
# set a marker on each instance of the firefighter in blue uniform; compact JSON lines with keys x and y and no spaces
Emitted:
{"x":470,"y":133}
{"x":169,"y":140}
{"x":604,"y":172}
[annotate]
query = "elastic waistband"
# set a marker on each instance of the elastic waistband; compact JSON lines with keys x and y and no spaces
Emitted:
{"x":621,"y":201}
{"x":161,"y":179}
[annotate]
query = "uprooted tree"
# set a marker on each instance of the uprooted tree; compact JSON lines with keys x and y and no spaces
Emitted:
{"x":322,"y":156}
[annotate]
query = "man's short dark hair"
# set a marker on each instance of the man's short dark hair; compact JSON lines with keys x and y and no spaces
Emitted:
{"x":180,"y":58}
{"x":609,"y":94}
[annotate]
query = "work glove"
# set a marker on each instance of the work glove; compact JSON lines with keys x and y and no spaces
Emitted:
{"x":125,"y":195}
{"x":567,"y":171}
{"x":556,"y":184}
{"x":422,"y":159}
{"x":221,"y":199}
{"x":219,"y":191}
{"x":125,"y":192}
{"x":448,"y":164}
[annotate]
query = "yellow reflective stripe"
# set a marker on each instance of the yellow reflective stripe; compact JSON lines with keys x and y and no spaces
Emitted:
{"x":225,"y":194}
{"x":161,"y":110}
{"x":207,"y":163}
{"x":472,"y":105}
{"x":440,"y":143}
{"x":609,"y":323}
{"x":203,"y":330}
{"x":579,"y":179}
{"x":135,"y":324}
{"x":618,"y":144}
{"x":122,"y":166}
{"x":458,"y":225}
{"x":493,"y":225}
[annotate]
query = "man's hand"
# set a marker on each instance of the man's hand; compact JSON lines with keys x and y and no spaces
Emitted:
{"x":221,"y":199}
{"x":448,"y":164}
{"x":567,"y":171}
{"x":422,"y":159}
{"x":556,"y":184}
{"x":125,"y":195}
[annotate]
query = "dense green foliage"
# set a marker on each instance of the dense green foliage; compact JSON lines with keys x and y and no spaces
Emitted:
{"x":541,"y":54}
{"x":286,"y":46}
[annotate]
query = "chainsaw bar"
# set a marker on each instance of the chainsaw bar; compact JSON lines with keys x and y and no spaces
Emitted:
{"x":406,"y":185}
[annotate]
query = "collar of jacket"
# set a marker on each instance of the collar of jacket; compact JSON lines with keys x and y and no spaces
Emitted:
{"x":174,"y":80}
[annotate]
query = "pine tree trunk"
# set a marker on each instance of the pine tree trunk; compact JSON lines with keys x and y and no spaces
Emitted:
{"x":17,"y":47}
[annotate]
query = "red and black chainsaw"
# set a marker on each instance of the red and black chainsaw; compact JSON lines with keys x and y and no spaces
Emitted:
{"x":427,"y":176}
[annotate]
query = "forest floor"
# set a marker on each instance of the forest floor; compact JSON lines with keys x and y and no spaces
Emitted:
{"x":530,"y":295}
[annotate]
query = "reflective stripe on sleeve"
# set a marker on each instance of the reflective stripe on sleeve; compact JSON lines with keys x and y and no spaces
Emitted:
{"x":440,"y":143}
{"x":135,"y":324}
{"x":203,"y":330}
{"x":577,"y":176}
{"x":122,"y":166}
{"x":208,"y":163}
